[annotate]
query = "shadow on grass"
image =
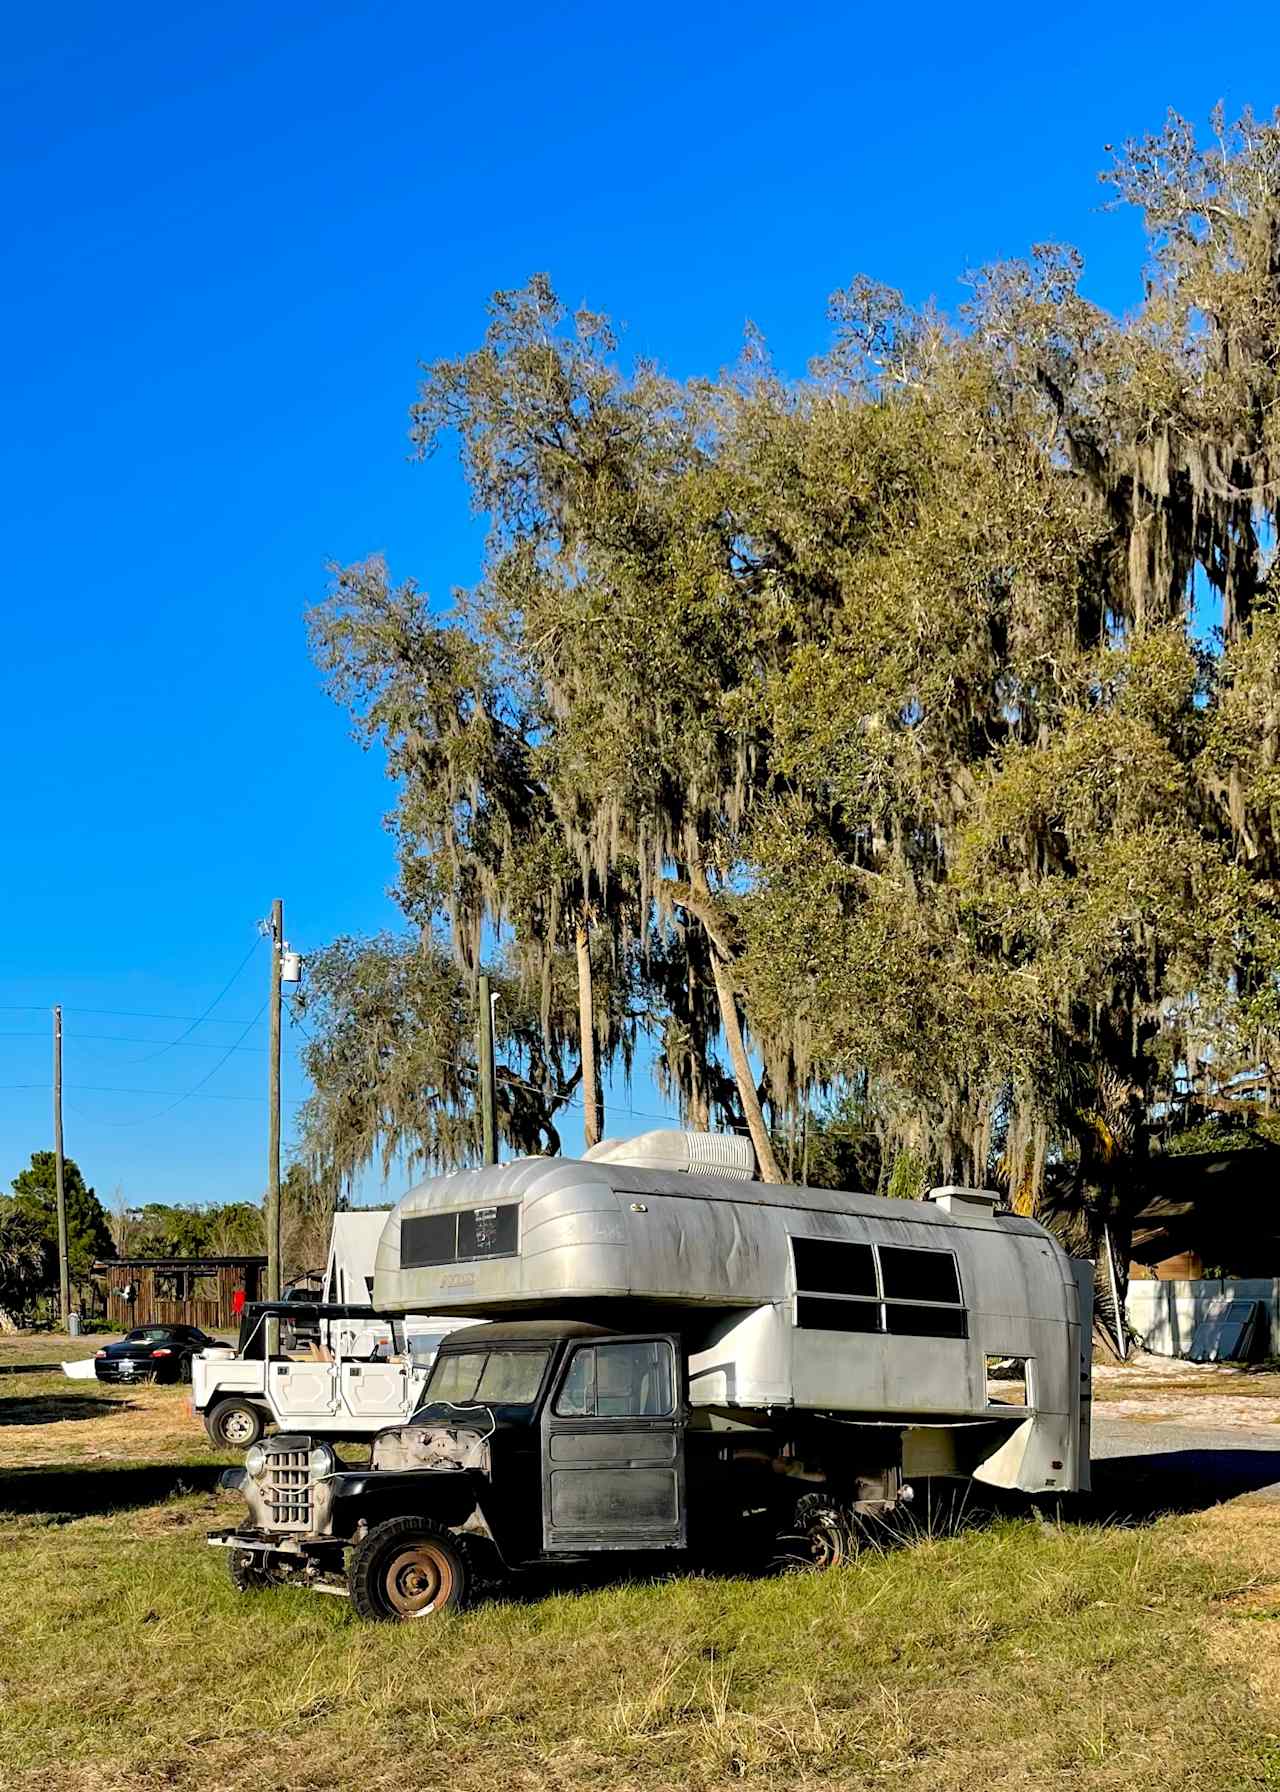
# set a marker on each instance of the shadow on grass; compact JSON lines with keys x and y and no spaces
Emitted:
{"x":62,"y":1494}
{"x":53,"y":1409}
{"x":1128,"y":1491}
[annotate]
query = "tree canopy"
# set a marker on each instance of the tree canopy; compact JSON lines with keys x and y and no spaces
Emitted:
{"x":35,"y":1200}
{"x":908,"y":733}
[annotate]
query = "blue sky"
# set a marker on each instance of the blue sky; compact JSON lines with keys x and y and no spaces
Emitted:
{"x":232,"y":234}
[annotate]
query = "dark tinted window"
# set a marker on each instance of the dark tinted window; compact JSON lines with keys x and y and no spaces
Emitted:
{"x":924,"y":1322}
{"x":820,"y":1315}
{"x":428,"y":1239}
{"x":825,"y":1266}
{"x":918,"y":1275}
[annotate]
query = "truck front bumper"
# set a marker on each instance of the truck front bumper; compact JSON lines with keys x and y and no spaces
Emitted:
{"x":262,"y":1542}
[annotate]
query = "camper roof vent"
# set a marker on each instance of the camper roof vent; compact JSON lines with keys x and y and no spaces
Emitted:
{"x":966,"y":1203}
{"x":696,"y":1153}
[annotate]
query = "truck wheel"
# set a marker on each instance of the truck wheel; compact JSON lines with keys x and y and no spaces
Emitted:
{"x":406,"y":1568}
{"x":234,"y":1424}
{"x":820,"y":1535}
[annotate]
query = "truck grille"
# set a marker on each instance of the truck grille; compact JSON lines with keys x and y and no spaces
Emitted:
{"x":286,"y":1487}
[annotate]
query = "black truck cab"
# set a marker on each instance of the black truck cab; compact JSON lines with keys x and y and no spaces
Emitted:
{"x":538,"y":1441}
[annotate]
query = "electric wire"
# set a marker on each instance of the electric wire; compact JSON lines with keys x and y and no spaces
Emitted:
{"x":208,"y":1011}
{"x":199,"y":1045}
{"x":125,"y":1013}
{"x":149,"y":1119}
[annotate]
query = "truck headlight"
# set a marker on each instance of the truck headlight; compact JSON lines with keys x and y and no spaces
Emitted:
{"x":255,"y":1460}
{"x":322,"y":1460}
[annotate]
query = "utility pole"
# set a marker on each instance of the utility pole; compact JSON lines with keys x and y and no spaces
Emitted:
{"x":488,"y":1101}
{"x":64,"y":1266}
{"x":273,"y":1109}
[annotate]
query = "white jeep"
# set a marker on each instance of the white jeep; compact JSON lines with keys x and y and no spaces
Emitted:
{"x":367,"y":1372}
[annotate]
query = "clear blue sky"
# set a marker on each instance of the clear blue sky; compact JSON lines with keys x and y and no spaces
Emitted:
{"x":231,"y":234}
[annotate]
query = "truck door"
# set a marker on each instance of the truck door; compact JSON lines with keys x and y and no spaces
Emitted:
{"x":613,"y":1472}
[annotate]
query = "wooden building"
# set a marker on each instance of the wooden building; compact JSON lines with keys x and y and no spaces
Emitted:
{"x":178,"y":1290}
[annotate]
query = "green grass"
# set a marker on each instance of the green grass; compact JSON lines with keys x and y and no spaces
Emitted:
{"x":1017,"y":1656}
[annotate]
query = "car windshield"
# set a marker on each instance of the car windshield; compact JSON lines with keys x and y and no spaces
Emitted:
{"x":497,"y":1377}
{"x":151,"y":1334}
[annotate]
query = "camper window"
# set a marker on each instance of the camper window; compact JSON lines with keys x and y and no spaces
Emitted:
{"x":619,"y":1381}
{"x":911,"y":1277}
{"x":829,"y":1267}
{"x":886,"y":1288}
{"x":428,"y":1240}
{"x":918,"y":1275}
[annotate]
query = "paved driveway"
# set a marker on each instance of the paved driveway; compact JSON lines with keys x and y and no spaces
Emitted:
{"x":1147,"y":1466}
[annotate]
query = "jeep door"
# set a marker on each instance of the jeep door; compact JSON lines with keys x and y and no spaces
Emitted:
{"x":613,"y":1455}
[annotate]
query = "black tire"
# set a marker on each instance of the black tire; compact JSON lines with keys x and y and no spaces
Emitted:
{"x":184,"y":1369}
{"x":820,"y":1536}
{"x":234,"y":1424}
{"x":249,"y":1571}
{"x":407,"y":1568}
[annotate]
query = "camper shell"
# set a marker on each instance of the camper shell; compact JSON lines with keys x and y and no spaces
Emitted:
{"x":786,"y":1298}
{"x":671,"y":1359}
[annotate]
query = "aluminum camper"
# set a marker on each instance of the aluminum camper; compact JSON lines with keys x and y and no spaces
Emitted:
{"x":677,"y":1354}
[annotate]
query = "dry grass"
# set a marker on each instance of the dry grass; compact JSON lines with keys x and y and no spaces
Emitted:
{"x":48,"y":1421}
{"x":1020,"y":1656}
{"x":49,"y":1348}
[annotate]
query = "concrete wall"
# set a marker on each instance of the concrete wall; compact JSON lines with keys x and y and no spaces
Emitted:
{"x":1166,"y":1314}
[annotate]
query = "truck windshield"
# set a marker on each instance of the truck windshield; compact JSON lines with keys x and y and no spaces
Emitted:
{"x":497,"y":1377}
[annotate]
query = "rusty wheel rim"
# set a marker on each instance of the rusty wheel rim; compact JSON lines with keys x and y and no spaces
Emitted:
{"x":827,"y":1547}
{"x":419,"y":1579}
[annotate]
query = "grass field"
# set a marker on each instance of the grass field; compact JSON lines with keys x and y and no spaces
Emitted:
{"x":1015,"y":1655}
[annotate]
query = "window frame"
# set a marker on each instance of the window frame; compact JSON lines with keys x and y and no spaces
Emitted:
{"x":880,"y":1301}
{"x":594,"y":1345}
{"x":457,"y":1214}
{"x":488,"y":1352}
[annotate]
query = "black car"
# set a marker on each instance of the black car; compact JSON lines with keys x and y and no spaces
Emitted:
{"x":152,"y":1353}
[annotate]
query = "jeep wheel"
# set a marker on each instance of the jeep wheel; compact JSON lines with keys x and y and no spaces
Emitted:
{"x":406,"y":1568}
{"x":234,"y":1424}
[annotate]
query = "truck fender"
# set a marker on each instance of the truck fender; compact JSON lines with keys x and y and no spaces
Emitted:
{"x":449,"y":1499}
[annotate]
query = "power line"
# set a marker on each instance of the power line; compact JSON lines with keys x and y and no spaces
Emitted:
{"x":208,"y":1011}
{"x":148,"y":1119}
{"x":116,"y":1089}
{"x":296,"y":1020}
{"x":198,"y":1045}
{"x":126,"y":1013}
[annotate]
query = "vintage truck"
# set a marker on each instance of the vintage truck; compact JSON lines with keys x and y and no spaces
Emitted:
{"x":677,"y":1357}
